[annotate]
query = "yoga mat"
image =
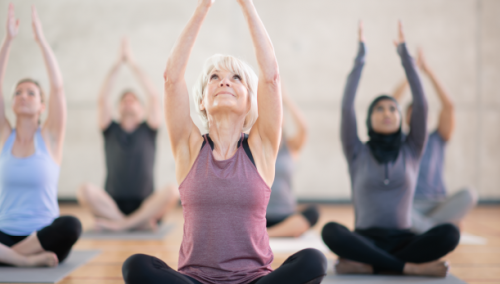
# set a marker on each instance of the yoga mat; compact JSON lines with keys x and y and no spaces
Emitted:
{"x":76,"y":259}
{"x":332,"y":278}
{"x":129,"y":235}
{"x":382,"y":279}
{"x":309,"y":239}
{"x":469,"y":239}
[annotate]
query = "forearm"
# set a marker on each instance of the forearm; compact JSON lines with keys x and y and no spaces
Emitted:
{"x":4,"y":58}
{"x":418,"y":124}
{"x":348,"y":127}
{"x":178,"y":59}
{"x":443,"y":95}
{"x":400,"y":89}
{"x":264,"y":49}
{"x":55,"y":77}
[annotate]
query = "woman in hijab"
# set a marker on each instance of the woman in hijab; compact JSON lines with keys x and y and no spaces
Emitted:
{"x":383,"y":175}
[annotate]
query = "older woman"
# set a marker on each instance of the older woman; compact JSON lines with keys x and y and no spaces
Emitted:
{"x":383,"y":176}
{"x":31,"y":233}
{"x":225,"y":176}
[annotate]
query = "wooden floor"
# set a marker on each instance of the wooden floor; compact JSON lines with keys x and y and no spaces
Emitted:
{"x":472,"y":263}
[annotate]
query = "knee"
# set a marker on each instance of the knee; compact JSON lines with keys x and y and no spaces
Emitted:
{"x":313,"y":261}
{"x":133,"y":268}
{"x":449,"y":236}
{"x":69,"y":227}
{"x":83,"y":192}
{"x":311,"y":214}
{"x":469,"y":195}
{"x":333,"y":234}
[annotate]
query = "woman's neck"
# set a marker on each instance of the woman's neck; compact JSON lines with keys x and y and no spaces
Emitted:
{"x":26,"y":128}
{"x":225,"y":132}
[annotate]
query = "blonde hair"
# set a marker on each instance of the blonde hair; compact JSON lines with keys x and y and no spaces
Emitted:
{"x":237,"y":66}
{"x":29,"y":80}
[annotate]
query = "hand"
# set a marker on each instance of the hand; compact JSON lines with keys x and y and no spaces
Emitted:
{"x":12,"y":23}
{"x":125,"y":52}
{"x":401,"y":35}
{"x":37,"y":26}
{"x":360,"y":32}
{"x":421,"y":61}
{"x":206,"y":3}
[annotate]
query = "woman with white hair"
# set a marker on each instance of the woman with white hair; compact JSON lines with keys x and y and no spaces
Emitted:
{"x":225,"y":176}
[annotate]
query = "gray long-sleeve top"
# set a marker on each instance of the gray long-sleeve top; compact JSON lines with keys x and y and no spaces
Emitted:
{"x":383,"y":193}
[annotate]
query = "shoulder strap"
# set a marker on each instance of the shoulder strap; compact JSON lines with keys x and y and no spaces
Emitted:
{"x":247,"y":148}
{"x":206,"y":138}
{"x":39,"y":142}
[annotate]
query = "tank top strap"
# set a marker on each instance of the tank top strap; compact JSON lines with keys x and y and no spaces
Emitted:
{"x":242,"y":136}
{"x":7,"y":147}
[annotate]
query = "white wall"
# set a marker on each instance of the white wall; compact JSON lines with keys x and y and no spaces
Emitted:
{"x":315,"y":42}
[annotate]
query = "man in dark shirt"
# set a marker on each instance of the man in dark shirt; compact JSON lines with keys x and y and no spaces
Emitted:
{"x":128,"y":200}
{"x":432,"y":205}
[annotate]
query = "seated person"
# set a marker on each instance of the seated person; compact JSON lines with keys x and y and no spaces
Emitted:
{"x":431,"y":206}
{"x":31,"y":231}
{"x":283,"y":219}
{"x":128,"y":201}
{"x":383,"y":175}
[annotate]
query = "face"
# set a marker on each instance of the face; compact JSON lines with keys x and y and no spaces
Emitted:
{"x":130,"y":106}
{"x":385,"y":117}
{"x":27,"y":100}
{"x":225,"y":92}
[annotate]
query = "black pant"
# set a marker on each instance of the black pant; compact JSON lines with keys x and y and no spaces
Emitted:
{"x":57,"y":237}
{"x":307,"y":266}
{"x":389,"y":249}
{"x":311,"y":213}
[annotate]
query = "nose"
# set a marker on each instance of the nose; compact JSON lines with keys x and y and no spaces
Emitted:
{"x":225,"y":82}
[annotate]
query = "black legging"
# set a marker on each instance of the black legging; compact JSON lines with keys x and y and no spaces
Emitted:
{"x":307,"y":266}
{"x":311,"y":213}
{"x":387,"y":250}
{"x":57,"y":237}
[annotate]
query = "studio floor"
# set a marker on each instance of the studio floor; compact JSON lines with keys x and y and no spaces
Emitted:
{"x":474,"y":264}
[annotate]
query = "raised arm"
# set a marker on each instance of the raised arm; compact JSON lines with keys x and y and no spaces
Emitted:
{"x":446,"y":123}
{"x":105,"y":109}
{"x":418,"y":124}
{"x":180,"y":126}
{"x":400,"y":90}
{"x":56,"y":117}
{"x":296,"y":142}
{"x":266,"y":131}
{"x":348,"y":126}
{"x":12,"y":29}
{"x":153,"y":99}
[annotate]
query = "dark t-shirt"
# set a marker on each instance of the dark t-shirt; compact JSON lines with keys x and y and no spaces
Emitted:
{"x":129,"y":161}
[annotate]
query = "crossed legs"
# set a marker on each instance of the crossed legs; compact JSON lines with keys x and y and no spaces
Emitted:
{"x":109,"y":217}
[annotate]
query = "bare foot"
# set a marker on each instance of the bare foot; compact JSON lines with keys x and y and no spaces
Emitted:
{"x":345,"y":266}
{"x":42,"y":259}
{"x":107,"y":225}
{"x":435,"y":268}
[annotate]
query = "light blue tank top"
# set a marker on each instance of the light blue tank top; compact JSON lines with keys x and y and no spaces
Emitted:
{"x":28,"y":189}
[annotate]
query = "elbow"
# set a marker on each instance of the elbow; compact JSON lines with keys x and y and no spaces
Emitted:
{"x":272,"y":76}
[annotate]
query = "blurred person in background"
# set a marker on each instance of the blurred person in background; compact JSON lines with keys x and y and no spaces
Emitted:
{"x":431,"y":205}
{"x":128,"y":200}
{"x":283,"y":218}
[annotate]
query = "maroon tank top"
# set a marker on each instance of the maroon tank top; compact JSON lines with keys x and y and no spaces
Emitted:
{"x":224,"y":205}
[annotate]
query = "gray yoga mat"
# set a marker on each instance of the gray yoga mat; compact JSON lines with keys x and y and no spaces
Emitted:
{"x":382,"y":279}
{"x":129,"y":235}
{"x":76,"y":259}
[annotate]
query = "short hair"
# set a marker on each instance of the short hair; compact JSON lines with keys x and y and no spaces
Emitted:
{"x":237,"y":66}
{"x":33,"y":81}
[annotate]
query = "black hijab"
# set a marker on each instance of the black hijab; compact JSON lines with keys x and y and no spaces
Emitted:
{"x":384,"y":147}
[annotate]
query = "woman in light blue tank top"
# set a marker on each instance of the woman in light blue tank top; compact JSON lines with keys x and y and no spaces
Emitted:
{"x":31,"y":231}
{"x":283,"y":218}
